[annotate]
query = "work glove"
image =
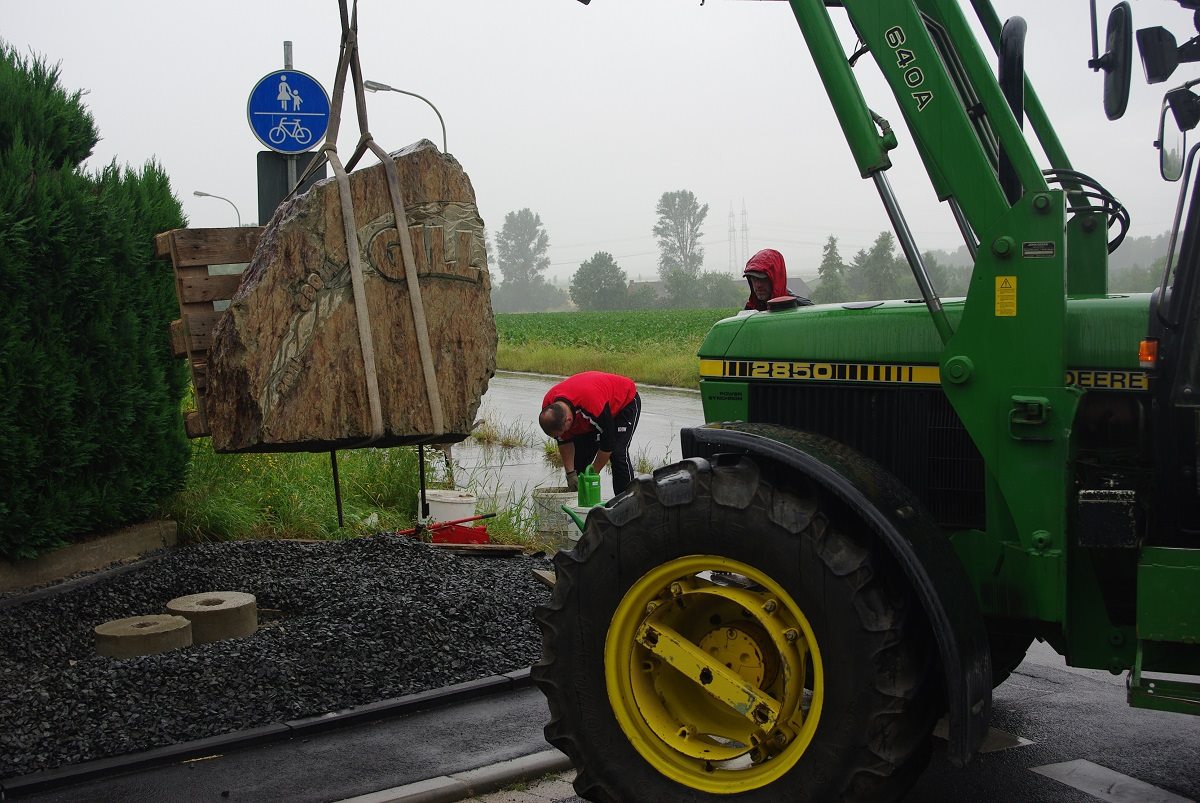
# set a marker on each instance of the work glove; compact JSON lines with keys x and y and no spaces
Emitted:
{"x":572,"y":481}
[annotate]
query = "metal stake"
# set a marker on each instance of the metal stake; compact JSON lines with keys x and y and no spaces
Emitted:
{"x":421,"y":476}
{"x":337,"y":486}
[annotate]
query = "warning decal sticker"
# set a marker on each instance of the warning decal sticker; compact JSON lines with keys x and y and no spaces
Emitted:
{"x":1006,"y":296}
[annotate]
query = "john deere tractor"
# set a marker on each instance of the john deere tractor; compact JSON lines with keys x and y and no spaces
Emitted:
{"x":893,"y":499}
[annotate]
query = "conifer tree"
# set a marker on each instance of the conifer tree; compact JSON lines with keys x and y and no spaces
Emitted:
{"x":832,"y":288}
{"x":90,"y":430}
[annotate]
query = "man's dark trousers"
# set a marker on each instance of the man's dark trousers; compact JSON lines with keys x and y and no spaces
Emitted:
{"x":625,"y":421}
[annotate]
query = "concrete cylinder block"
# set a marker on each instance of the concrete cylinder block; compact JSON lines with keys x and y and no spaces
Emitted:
{"x":142,"y":635}
{"x":217,"y":615}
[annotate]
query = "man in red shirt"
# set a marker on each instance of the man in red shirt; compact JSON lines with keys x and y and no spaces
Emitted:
{"x":592,"y":415}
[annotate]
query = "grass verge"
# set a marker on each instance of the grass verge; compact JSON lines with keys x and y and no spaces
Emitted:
{"x":290,"y":495}
{"x":677,"y":369}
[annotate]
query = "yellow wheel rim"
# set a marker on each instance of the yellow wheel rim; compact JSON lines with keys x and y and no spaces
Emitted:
{"x":714,"y":674}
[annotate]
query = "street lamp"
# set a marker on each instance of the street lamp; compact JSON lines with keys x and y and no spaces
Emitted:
{"x":375,"y":86}
{"x":200,"y":194}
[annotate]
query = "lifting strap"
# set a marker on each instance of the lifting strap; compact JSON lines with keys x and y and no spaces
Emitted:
{"x":348,"y":62}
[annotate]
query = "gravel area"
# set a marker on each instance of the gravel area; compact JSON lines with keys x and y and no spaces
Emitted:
{"x":341,"y":624}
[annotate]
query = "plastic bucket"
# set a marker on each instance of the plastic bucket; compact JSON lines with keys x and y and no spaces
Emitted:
{"x":573,"y":533}
{"x":449,"y":505}
{"x":552,"y":524}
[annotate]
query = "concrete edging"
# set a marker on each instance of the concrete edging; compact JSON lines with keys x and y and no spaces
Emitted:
{"x":123,"y":544}
{"x":384,"y":709}
{"x":471,"y":783}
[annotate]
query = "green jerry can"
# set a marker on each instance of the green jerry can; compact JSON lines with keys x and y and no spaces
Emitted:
{"x":589,"y":488}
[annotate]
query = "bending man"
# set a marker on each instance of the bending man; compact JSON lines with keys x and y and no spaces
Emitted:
{"x":593,"y":415}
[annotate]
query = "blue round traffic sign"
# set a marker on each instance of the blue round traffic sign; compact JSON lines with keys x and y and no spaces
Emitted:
{"x":288,"y":111}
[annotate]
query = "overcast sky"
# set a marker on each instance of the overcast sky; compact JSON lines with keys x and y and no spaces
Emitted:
{"x":584,"y":114}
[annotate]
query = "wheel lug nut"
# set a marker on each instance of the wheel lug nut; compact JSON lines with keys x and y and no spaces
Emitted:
{"x":676,"y":590}
{"x":791,"y":635}
{"x":770,"y":605}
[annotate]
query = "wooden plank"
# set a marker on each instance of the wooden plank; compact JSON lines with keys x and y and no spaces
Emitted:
{"x":200,"y":376}
{"x":482,"y":550}
{"x":162,"y":244}
{"x":178,"y":339}
{"x":199,"y":343}
{"x":194,"y":426}
{"x":193,"y":289}
{"x":208,"y":246}
{"x":202,"y":323}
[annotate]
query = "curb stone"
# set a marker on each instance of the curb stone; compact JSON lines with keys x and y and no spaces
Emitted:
{"x":463,"y":785}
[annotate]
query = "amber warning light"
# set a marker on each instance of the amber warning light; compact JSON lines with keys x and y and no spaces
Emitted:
{"x":1148,"y":353}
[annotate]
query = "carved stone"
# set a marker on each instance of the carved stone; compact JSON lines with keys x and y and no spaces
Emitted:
{"x":286,"y":368}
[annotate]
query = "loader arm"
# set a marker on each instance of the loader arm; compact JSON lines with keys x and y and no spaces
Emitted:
{"x":1003,"y":366}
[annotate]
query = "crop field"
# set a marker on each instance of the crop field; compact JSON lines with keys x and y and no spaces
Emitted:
{"x":610,"y":331}
{"x":651,"y":346}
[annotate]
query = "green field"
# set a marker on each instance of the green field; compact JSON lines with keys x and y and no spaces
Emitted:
{"x":656,"y":347}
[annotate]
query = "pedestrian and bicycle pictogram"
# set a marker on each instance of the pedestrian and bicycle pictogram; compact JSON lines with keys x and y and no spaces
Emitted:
{"x":288,"y":111}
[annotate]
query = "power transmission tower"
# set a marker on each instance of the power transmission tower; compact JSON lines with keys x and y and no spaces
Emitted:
{"x":745,"y":235}
{"x":732,"y":242}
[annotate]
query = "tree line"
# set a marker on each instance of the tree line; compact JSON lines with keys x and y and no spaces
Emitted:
{"x":521,"y":257}
{"x":879,"y":271}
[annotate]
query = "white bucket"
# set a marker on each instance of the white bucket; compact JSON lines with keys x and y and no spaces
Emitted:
{"x":552,"y":523}
{"x":573,"y":533}
{"x":449,"y":505}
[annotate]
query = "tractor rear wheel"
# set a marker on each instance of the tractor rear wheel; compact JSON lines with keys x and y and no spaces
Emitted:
{"x":717,"y":634}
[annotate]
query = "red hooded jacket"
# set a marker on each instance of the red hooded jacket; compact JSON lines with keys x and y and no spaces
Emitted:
{"x":770,"y":262}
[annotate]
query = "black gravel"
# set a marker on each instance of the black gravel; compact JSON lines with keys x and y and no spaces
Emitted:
{"x":358,"y":621}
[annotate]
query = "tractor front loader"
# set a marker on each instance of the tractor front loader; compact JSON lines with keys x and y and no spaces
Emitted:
{"x":892,"y":499}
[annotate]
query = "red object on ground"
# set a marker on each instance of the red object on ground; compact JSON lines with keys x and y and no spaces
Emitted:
{"x":458,"y":534}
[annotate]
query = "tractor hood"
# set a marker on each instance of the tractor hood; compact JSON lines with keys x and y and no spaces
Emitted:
{"x":1101,"y":332}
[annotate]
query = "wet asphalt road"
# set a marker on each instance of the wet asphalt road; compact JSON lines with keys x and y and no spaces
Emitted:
{"x":1047,"y":720}
{"x":1044,"y":715}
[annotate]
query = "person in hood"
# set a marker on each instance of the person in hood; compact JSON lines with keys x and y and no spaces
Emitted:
{"x":766,"y":274}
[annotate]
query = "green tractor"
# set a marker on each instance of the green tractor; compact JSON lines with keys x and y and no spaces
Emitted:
{"x":893,"y":499}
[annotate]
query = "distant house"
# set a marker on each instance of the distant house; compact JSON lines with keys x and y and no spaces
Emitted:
{"x":799,"y":287}
{"x":658,"y":286}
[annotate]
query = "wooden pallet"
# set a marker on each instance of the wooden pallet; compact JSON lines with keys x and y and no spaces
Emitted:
{"x":200,"y":291}
{"x":481,"y":550}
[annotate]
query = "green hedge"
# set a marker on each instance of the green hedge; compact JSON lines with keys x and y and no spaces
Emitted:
{"x":90,"y":430}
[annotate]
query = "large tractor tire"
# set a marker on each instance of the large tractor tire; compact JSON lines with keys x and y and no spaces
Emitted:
{"x":718,"y":634}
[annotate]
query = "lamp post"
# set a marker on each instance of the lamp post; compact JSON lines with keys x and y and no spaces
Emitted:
{"x":375,"y":86}
{"x":200,"y":194}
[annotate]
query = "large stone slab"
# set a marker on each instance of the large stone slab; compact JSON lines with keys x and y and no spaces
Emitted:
{"x":286,"y":369}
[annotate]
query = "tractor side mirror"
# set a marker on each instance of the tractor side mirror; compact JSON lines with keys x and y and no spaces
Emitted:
{"x":1185,"y":106}
{"x":1116,"y":61}
{"x":1159,"y":54}
{"x":1171,"y":144}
